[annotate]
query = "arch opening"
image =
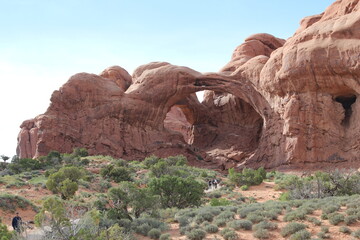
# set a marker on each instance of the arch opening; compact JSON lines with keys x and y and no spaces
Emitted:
{"x":221,"y":123}
{"x":346,"y":101}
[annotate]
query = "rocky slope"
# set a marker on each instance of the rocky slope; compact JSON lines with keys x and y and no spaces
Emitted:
{"x":275,"y":103}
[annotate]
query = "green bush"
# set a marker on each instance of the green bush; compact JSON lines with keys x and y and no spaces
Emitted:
{"x":19,"y":165}
{"x":211,"y":228}
{"x":177,"y":192}
{"x":255,"y":217}
{"x":9,"y":202}
{"x":65,"y":181}
{"x":248,"y":176}
{"x":117,"y":174}
{"x":196,"y":234}
{"x":143,"y":229}
{"x":220,"y":222}
{"x":154,"y":233}
{"x":219,"y":202}
{"x":165,"y":236}
{"x":356,"y":233}
{"x":336,"y":218}
{"x":244,"y":187}
{"x":350,"y":219}
{"x":344,"y":229}
{"x":229,"y":234}
{"x":325,"y":229}
{"x":301,"y":235}
{"x":265,"y":225}
{"x":330,"y":208}
{"x":144,"y":225}
{"x":227,"y":215}
{"x":292,"y":228}
{"x":295,"y":215}
{"x":5,"y":234}
{"x":127,"y":196}
{"x":314,"y":220}
{"x":261,"y":234}
{"x":240,"y":224}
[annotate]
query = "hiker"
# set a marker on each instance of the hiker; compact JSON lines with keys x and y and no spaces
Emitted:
{"x":209,"y":184}
{"x":16,"y":223}
{"x":215,"y":183}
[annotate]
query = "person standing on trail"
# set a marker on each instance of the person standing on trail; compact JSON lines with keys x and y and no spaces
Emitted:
{"x":215,"y":183}
{"x":210,"y":184}
{"x":16,"y":223}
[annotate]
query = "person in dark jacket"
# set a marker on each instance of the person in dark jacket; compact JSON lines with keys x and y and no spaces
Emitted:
{"x":16,"y":223}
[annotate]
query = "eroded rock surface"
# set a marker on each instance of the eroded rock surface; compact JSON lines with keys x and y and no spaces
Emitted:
{"x":275,"y":103}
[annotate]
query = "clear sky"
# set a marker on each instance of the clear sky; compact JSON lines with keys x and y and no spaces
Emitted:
{"x":44,"y":42}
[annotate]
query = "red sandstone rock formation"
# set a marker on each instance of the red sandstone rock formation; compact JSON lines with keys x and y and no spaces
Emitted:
{"x":275,"y":103}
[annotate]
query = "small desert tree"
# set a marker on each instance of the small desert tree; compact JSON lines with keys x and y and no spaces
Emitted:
{"x":65,"y":181}
{"x":5,"y":234}
{"x":4,"y":158}
{"x":177,"y":192}
{"x":128,"y":201}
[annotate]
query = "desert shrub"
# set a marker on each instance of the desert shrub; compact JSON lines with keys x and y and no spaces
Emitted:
{"x":314,"y":220}
{"x":321,"y":184}
{"x":228,"y":234}
{"x":325,"y":229}
{"x":240,"y":224}
{"x":5,"y":234}
{"x":292,"y":228}
{"x":196,"y":234}
{"x":219,"y":202}
{"x":244,"y":187}
{"x":144,"y":225}
{"x":226,"y":215}
{"x":211,"y":228}
{"x":356,"y":233}
{"x":350,"y":219}
{"x":330,"y":208}
{"x":124,"y":223}
{"x":248,"y":176}
{"x":231,"y":235}
{"x":116,"y":173}
{"x":345,"y":229}
{"x":154,"y":233}
{"x":295,"y":215}
{"x":244,"y":211}
{"x":301,"y":235}
{"x":104,"y":185}
{"x":165,"y":236}
{"x":203,"y":216}
{"x":323,"y":235}
{"x":215,"y":194}
{"x":335,"y":218}
{"x":220,"y":222}
{"x":143,"y":229}
{"x":9,"y":202}
{"x":177,"y":192}
{"x":19,"y":165}
{"x":261,"y":233}
{"x":255,"y":217}
{"x":265,"y":225}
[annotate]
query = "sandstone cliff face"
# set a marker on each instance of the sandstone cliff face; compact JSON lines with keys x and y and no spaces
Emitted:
{"x":275,"y":103}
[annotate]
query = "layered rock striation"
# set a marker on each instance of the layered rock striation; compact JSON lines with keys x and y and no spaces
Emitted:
{"x":275,"y":103}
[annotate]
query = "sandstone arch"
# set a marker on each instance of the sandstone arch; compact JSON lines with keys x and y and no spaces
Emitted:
{"x":305,"y":90}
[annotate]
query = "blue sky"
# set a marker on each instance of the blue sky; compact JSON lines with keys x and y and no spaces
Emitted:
{"x":44,"y":42}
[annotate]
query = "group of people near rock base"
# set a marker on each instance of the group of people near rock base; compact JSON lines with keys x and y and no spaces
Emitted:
{"x":213,"y":183}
